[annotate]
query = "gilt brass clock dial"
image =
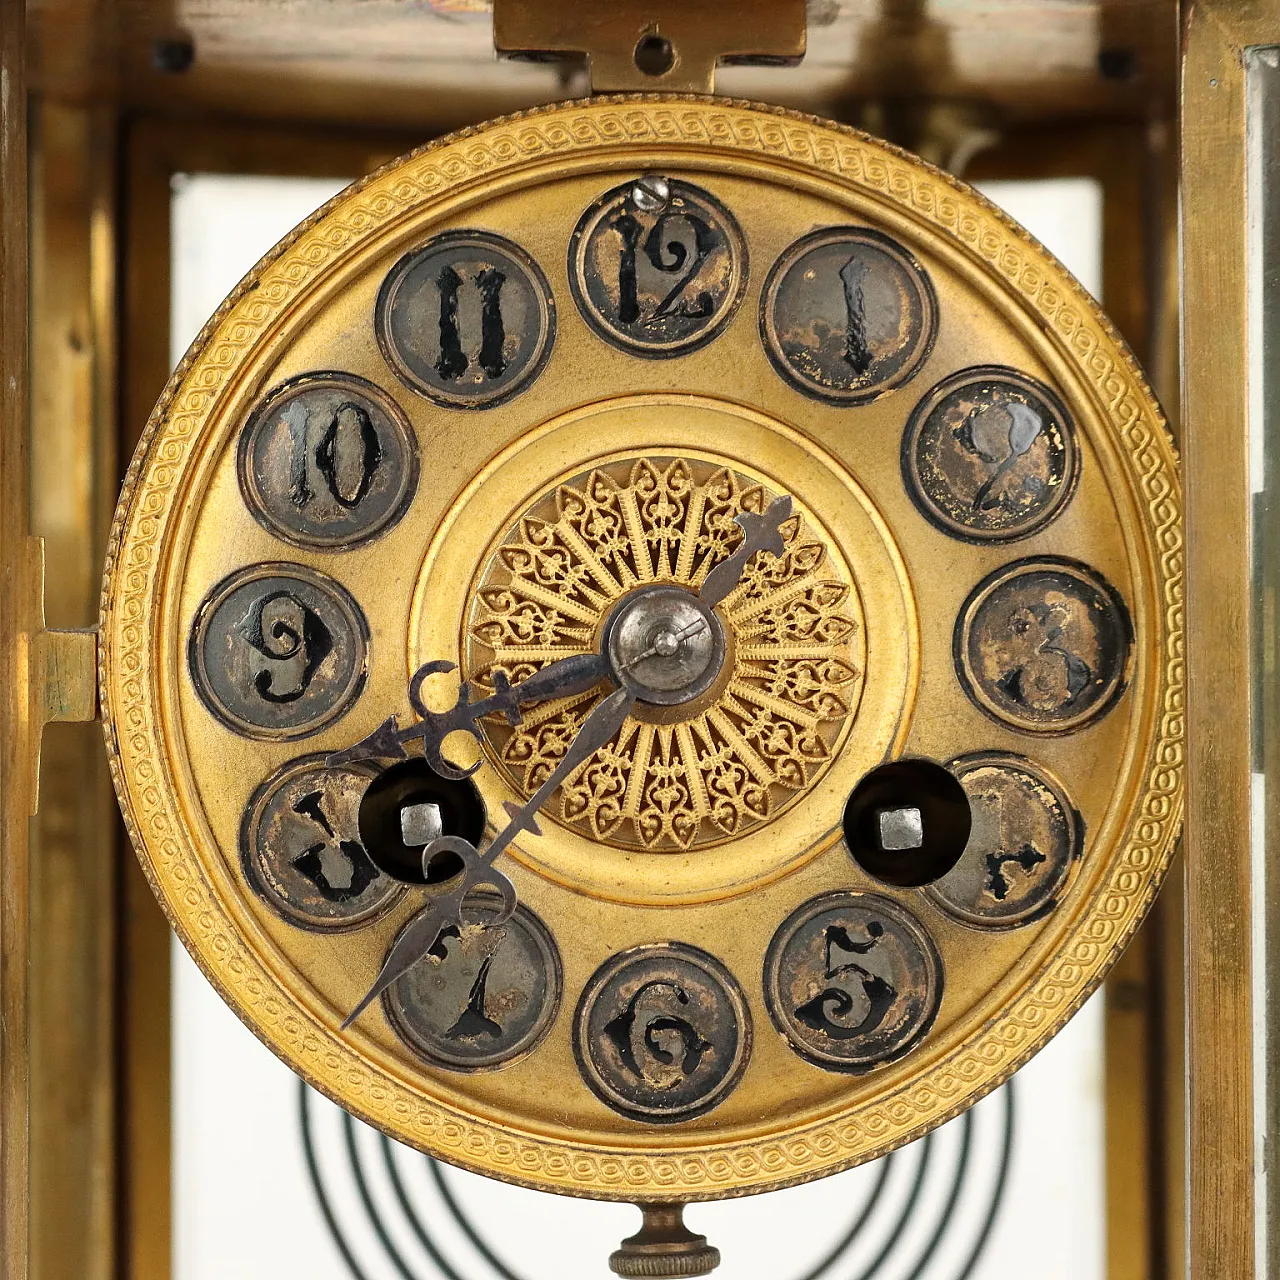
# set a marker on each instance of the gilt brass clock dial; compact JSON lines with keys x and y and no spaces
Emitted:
{"x":641,"y":650}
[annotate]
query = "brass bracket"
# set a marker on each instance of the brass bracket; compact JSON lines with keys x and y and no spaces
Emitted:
{"x":60,"y":668}
{"x":646,"y":45}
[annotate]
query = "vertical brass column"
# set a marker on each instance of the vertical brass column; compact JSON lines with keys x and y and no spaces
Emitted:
{"x":1228,"y":1027}
{"x":16,"y":608}
{"x":75,"y":846}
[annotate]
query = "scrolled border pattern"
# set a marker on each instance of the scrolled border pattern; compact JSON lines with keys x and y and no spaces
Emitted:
{"x":147,"y":792}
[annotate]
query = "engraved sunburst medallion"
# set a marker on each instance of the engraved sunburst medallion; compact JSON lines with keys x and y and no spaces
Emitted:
{"x":675,"y":777}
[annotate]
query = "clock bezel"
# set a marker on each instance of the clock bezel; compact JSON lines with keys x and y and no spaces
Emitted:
{"x":755,"y":137}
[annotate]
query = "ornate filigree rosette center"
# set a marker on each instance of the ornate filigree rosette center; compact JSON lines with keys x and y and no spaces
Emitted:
{"x":678,"y":777}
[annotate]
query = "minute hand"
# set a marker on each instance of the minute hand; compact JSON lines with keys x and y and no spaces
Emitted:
{"x":423,"y":931}
{"x":761,"y":533}
{"x":596,"y":730}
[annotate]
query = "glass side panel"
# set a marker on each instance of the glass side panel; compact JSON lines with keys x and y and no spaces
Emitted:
{"x":1262,"y":69}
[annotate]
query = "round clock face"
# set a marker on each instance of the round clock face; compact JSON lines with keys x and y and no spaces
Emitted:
{"x":808,"y":550}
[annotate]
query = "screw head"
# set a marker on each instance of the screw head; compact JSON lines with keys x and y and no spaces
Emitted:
{"x":173,"y":55}
{"x":900,"y":829}
{"x":651,"y":194}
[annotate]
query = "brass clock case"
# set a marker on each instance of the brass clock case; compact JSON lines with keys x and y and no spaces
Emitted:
{"x":982,"y":569}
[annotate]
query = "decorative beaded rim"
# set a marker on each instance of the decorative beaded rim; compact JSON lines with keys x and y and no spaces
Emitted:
{"x":790,"y":143}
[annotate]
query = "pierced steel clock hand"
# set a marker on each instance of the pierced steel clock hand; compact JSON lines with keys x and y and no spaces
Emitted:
{"x":763,"y":533}
{"x":445,"y":908}
{"x":575,"y":674}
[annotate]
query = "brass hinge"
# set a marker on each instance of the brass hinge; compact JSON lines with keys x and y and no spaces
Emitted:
{"x":61,"y":669}
{"x":643,"y":45}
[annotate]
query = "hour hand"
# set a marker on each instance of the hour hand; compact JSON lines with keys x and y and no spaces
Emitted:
{"x":388,"y":740}
{"x":384,"y":743}
{"x":575,"y":674}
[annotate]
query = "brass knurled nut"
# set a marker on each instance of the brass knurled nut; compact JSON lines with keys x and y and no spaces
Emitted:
{"x":664,"y":1246}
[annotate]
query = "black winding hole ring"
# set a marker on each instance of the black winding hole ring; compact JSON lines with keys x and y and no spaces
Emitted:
{"x":412,"y":782}
{"x":944,"y":818}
